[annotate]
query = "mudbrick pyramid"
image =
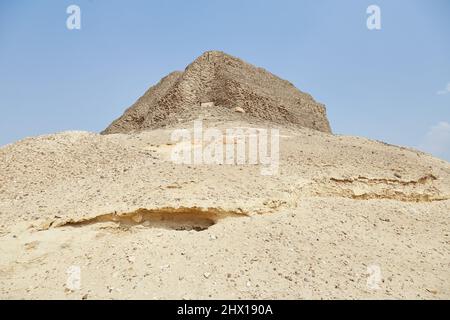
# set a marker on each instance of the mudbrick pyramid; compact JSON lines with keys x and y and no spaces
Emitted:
{"x":228,"y":86}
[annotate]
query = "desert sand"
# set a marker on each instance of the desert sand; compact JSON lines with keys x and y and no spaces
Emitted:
{"x":343,"y":217}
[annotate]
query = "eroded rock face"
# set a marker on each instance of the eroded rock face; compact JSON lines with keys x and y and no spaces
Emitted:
{"x":229,"y":83}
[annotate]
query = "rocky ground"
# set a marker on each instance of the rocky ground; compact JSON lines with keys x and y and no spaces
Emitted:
{"x":86,"y":216}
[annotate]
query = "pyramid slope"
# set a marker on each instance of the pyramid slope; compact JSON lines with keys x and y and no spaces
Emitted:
{"x":228,"y":82}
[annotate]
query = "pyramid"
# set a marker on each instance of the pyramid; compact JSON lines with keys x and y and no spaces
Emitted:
{"x":226,"y":85}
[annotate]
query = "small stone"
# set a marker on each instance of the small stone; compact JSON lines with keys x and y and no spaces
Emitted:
{"x":239,"y":109}
{"x":207,"y":104}
{"x":137,"y":218}
{"x":31,"y":245}
{"x":146,"y":224}
{"x":207,"y":275}
{"x":289,"y":278}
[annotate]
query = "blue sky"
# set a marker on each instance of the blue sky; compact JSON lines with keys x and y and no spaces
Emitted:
{"x":391,"y":84}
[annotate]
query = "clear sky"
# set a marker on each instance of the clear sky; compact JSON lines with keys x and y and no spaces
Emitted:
{"x":391,"y":84}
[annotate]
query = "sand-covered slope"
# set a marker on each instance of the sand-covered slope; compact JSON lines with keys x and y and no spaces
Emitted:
{"x":138,"y":225}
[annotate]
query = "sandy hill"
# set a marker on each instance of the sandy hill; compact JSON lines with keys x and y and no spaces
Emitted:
{"x":84,"y":215}
{"x":231,"y":84}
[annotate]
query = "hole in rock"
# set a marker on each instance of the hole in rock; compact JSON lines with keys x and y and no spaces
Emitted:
{"x":197,"y":219}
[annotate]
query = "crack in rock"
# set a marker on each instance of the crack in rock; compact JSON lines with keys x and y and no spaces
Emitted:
{"x":363,"y":188}
{"x":182,"y":218}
